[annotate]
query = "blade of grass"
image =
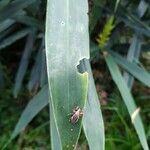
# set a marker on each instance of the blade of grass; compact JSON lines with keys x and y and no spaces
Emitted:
{"x":9,"y":22}
{"x":128,"y":99}
{"x":24,"y":63}
{"x":37,"y":69}
{"x":6,"y":24}
{"x":4,"y":3}
{"x":36,"y":104}
{"x":13,"y":38}
{"x":13,"y":7}
{"x":1,"y":76}
{"x":6,"y":32}
{"x":92,"y":119}
{"x":44,"y":78}
{"x":133,"y":21}
{"x":30,"y":21}
{"x":32,"y":109}
{"x":132,"y":68}
{"x":133,"y":56}
{"x":135,"y":47}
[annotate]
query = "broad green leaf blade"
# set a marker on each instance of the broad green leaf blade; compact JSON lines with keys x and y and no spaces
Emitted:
{"x":32,"y":109}
{"x":67,"y":43}
{"x":128,"y":99}
{"x":92,"y":119}
{"x":132,"y":68}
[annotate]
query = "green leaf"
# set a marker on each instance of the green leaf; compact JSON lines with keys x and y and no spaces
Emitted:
{"x":27,"y":20}
{"x":32,"y":109}
{"x":92,"y":120}
{"x":133,"y":21}
{"x":6,"y":24}
{"x":135,"y":47}
{"x":24,"y":63}
{"x":116,"y":5}
{"x":94,"y":16}
{"x":3,"y":3}
{"x":11,"y":9}
{"x":13,"y":38}
{"x":133,"y":56}
{"x":132,"y":68}
{"x":55,"y":137}
{"x":128,"y":99}
{"x":9,"y":22}
{"x":66,"y":44}
{"x":37,"y":69}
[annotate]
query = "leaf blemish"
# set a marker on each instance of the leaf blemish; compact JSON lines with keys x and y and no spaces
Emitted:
{"x":81,"y":66}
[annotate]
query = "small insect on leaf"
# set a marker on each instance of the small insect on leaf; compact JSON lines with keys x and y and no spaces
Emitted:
{"x":75,"y":115}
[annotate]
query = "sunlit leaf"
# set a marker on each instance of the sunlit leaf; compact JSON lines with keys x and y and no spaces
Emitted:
{"x":67,"y":43}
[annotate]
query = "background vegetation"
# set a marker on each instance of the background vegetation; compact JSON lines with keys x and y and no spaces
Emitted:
{"x":119,"y":49}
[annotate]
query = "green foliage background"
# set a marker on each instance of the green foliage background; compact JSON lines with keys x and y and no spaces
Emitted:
{"x":119,"y":34}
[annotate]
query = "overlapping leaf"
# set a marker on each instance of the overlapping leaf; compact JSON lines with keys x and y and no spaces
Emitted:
{"x":128,"y":99}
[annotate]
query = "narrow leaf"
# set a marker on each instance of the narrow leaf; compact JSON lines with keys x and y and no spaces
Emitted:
{"x":36,"y":71}
{"x":133,"y":56}
{"x":128,"y":99}
{"x":13,"y":8}
{"x":30,"y":21}
{"x":133,"y":21}
{"x":13,"y":38}
{"x":43,"y":79}
{"x":135,"y":47}
{"x":132,"y":68}
{"x":92,"y":119}
{"x":24,"y":63}
{"x":32,"y":109}
{"x":6,"y":32}
{"x":3,"y":3}
{"x":6,"y":24}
